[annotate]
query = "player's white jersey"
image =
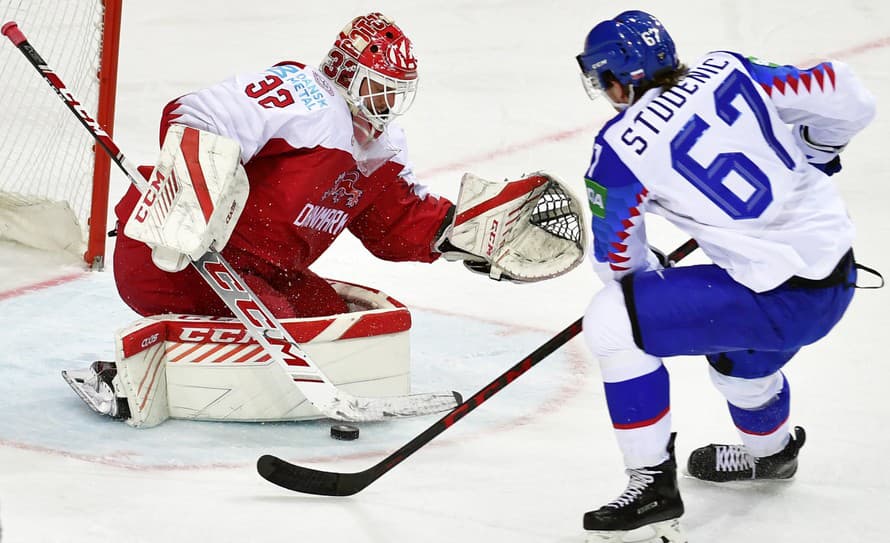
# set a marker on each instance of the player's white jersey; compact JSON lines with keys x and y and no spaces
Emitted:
{"x":715,"y":155}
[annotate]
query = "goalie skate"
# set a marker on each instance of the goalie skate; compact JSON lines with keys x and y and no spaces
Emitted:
{"x":94,"y":385}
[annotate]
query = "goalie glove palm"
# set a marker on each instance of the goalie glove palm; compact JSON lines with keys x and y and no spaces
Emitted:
{"x":525,"y":230}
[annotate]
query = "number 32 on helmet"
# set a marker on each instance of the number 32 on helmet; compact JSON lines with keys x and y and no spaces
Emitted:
{"x":373,"y":63}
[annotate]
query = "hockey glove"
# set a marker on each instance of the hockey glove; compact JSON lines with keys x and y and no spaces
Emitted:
{"x":821,"y":156}
{"x":660,"y":257}
{"x":829,"y":168}
{"x":196,"y":194}
{"x":526,"y":230}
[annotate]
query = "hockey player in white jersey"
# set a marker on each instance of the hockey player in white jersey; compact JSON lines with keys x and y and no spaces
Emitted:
{"x":738,"y":154}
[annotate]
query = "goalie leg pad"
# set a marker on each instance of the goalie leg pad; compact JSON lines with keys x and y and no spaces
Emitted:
{"x":141,"y":377}
{"x":216,"y":372}
{"x":208,"y":368}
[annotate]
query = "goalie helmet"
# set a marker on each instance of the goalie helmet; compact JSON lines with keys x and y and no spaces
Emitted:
{"x":373,"y":64}
{"x":632,"y":47}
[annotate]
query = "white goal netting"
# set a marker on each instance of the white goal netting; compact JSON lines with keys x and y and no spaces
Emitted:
{"x":46,"y":156}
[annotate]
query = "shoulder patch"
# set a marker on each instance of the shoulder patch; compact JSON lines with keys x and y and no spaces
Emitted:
{"x":755,"y":60}
{"x":289,"y":83}
{"x":596,"y":197}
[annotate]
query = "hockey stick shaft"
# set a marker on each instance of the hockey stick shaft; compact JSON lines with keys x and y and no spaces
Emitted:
{"x":682,"y":251}
{"x":260,"y":323}
{"x":17,"y":37}
{"x":327,"y":483}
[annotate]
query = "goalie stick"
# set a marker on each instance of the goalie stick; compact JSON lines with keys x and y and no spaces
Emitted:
{"x":262,"y":326}
{"x":332,"y":483}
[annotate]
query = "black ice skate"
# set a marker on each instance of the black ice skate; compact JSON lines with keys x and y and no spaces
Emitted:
{"x":95,"y":387}
{"x":722,"y":463}
{"x":651,"y":500}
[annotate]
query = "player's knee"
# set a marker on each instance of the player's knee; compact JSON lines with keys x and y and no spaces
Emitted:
{"x":607,"y":327}
{"x":748,"y":393}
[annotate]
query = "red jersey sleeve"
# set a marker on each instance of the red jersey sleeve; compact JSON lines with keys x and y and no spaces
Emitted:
{"x":402,"y":223}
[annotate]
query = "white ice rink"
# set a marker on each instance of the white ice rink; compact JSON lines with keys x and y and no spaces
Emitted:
{"x":499,"y":96}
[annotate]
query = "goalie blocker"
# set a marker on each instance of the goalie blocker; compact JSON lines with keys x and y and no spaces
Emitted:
{"x":208,"y":368}
{"x":194,"y":198}
{"x":525,"y":230}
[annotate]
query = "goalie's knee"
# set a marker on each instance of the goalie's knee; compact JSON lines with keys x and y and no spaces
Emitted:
{"x":607,"y":328}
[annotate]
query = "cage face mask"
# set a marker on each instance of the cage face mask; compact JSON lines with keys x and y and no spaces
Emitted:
{"x":372,"y":63}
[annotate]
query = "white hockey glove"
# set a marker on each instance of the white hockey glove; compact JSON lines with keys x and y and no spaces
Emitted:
{"x":196,"y":194}
{"x":524,"y":231}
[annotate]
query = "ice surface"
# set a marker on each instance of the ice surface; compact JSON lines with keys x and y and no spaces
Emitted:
{"x":499,"y":96}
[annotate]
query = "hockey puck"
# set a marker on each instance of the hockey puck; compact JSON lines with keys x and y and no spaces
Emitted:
{"x":344,"y":432}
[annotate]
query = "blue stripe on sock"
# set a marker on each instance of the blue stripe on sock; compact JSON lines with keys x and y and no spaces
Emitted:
{"x":765,"y":420}
{"x":641,"y":401}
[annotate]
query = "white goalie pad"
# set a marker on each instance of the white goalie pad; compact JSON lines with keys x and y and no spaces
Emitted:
{"x":194,"y":198}
{"x":527,"y":230}
{"x":206,"y":368}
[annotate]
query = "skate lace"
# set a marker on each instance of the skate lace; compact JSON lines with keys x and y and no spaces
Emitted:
{"x":734,"y":458}
{"x":640,"y":479}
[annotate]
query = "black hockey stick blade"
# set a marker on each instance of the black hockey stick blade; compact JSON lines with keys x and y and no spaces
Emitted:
{"x":310,"y":481}
{"x":330,"y":483}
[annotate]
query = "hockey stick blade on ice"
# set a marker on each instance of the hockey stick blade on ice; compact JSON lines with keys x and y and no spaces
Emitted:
{"x":259,"y":322}
{"x":331,"y":483}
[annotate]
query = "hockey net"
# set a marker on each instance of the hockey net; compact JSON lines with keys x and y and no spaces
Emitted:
{"x":53,"y":179}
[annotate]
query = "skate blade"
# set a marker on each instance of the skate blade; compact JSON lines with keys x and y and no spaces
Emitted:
{"x":741,"y":483}
{"x":668,"y":531}
{"x":77,"y":380}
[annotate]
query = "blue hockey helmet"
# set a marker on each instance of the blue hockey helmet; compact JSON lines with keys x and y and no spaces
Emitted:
{"x":658,"y":46}
{"x":633,"y":47}
{"x":611,"y":47}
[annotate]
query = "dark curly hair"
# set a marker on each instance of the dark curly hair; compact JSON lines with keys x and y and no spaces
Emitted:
{"x":665,"y":79}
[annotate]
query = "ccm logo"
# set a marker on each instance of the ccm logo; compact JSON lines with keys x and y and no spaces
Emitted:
{"x":150,"y":340}
{"x":231,"y":213}
{"x":214,"y":335}
{"x":492,"y":237}
{"x":148,"y":198}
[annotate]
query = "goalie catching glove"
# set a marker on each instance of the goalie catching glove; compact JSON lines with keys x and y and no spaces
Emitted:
{"x":194,"y":198}
{"x":526,"y":230}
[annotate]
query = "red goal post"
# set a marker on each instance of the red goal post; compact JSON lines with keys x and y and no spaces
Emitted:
{"x":54,"y":179}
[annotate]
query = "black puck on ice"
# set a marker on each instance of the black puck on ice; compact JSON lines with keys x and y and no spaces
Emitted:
{"x":344,"y":432}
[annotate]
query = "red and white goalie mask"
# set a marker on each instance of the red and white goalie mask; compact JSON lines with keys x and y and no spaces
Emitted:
{"x":373,"y":63}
